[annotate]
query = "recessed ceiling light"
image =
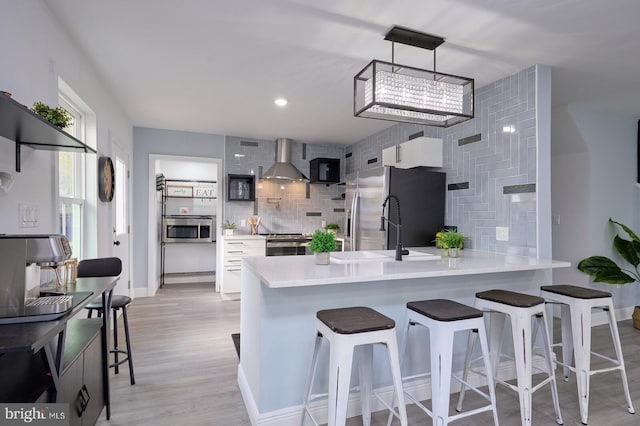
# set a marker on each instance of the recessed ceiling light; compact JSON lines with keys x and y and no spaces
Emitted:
{"x":280,"y":102}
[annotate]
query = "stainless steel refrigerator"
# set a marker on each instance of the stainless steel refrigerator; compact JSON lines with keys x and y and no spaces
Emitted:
{"x":421,"y":193}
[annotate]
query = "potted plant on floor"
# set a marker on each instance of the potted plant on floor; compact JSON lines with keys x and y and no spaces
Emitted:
{"x":228,"y":228}
{"x":453,"y":241}
{"x":321,"y":244}
{"x":605,"y":270}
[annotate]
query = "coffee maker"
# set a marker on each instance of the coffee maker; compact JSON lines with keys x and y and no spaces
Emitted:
{"x":21,"y":257}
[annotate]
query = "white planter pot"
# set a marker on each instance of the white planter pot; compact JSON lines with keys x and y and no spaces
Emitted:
{"x":322,"y":258}
{"x":453,"y":252}
{"x":228,"y":232}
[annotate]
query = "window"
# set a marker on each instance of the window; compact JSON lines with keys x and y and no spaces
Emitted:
{"x":71,"y":177}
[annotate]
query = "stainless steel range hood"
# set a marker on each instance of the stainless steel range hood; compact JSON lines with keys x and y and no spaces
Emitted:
{"x":283,"y":169}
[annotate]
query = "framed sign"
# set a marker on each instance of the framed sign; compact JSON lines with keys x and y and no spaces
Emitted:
{"x":179,"y":191}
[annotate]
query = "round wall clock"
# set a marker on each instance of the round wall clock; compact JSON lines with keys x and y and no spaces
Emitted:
{"x":106,"y":179}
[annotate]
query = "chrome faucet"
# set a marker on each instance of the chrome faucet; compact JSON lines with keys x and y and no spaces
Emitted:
{"x":399,"y":250}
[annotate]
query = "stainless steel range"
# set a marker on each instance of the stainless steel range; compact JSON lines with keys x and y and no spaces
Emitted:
{"x":287,"y":244}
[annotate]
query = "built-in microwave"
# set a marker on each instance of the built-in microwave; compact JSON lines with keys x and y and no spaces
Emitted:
{"x":189,"y":229}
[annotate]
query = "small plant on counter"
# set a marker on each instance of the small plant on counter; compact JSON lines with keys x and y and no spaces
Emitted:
{"x":228,"y":225}
{"x":334,"y":228}
{"x":322,"y":242}
{"x":57,"y":116}
{"x":450,"y":239}
{"x":228,"y":228}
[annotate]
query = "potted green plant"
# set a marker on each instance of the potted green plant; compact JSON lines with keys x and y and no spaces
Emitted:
{"x":321,"y":244}
{"x":334,"y":228}
{"x":452,"y":240}
{"x":228,"y":228}
{"x":57,"y":116}
{"x":605,"y":270}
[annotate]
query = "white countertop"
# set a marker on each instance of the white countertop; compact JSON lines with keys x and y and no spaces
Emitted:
{"x":237,"y":236}
{"x":300,"y":271}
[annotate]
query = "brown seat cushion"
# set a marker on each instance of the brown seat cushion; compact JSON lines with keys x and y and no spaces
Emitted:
{"x":357,"y":319}
{"x":510,"y":298}
{"x":575,"y":291}
{"x":444,"y":310}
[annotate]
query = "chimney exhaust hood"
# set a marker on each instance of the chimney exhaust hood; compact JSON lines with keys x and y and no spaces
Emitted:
{"x":283,"y":169}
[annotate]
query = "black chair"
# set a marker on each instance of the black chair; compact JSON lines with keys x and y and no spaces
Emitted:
{"x":110,"y":267}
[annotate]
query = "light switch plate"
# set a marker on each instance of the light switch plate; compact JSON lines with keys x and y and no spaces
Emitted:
{"x":502,"y":233}
{"x":29,"y":215}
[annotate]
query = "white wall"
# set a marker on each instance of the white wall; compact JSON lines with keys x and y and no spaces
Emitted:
{"x":35,"y":52}
{"x":593,"y":178}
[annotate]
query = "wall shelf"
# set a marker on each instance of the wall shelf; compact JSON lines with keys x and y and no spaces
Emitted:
{"x":24,"y":127}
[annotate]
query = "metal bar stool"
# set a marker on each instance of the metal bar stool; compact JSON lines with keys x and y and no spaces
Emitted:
{"x":521,"y":308}
{"x":349,"y":329}
{"x":110,"y":267}
{"x":444,"y":318}
{"x":576,"y":310}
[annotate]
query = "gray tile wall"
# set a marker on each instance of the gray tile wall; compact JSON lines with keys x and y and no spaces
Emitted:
{"x":497,"y":159}
{"x":283,"y":206}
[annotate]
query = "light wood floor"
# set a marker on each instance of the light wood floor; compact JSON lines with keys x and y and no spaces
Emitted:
{"x":186,"y":371}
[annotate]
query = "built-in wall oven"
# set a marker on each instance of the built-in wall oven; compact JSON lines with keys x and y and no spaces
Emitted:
{"x":189,"y":229}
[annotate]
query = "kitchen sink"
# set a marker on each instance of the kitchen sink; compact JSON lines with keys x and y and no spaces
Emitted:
{"x":377,"y":256}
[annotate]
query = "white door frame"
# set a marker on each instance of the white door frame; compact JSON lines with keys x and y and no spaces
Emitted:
{"x":127,"y":261}
{"x":153,"y":252}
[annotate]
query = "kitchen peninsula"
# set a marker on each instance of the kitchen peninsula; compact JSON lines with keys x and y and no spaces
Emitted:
{"x":281,"y":295}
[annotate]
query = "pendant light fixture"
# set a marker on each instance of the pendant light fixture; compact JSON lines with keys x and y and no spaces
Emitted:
{"x":389,"y":91}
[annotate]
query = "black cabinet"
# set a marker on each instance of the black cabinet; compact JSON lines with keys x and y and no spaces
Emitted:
{"x":241,"y":188}
{"x":81,"y":382}
{"x":324,"y":170}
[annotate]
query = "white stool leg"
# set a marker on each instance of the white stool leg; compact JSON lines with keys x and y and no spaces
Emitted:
{"x":567,"y":340}
{"x":365,"y":362}
{"x":581,"y":331}
{"x":403,"y":348}
{"x":542,"y":324}
{"x":441,"y":339}
{"x":312,"y":375}
{"x":521,"y":331}
{"x":394,"y":362}
{"x":484,"y":346}
{"x":613,"y":326}
{"x":343,"y":373}
{"x":471,"y":343}
{"x":496,"y":332}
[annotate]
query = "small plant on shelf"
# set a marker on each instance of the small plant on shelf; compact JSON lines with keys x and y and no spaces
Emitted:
{"x":334,"y":228}
{"x":321,"y":244}
{"x":57,"y":116}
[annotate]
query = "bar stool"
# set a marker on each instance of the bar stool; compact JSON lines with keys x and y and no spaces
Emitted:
{"x":576,"y":310}
{"x":110,"y":267}
{"x":443,"y":318}
{"x":521,"y":308}
{"x":347,"y":329}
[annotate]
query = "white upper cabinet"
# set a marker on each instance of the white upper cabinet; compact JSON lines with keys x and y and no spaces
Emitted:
{"x":420,"y":151}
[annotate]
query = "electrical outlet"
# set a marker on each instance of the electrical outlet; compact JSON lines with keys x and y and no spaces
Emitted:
{"x":324,"y":224}
{"x":243,"y":223}
{"x":502,"y":233}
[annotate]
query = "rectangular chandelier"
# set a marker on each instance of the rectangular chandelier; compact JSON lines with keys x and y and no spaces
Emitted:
{"x":389,"y":91}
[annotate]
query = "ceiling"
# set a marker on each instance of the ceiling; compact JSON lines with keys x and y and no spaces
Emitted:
{"x":216,"y":66}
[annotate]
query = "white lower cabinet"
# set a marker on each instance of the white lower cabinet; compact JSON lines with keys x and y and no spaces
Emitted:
{"x":234,"y":249}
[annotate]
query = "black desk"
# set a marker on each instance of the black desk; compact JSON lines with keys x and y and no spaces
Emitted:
{"x":48,"y":337}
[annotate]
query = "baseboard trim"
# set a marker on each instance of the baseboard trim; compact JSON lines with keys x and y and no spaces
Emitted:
{"x":420,"y":389}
